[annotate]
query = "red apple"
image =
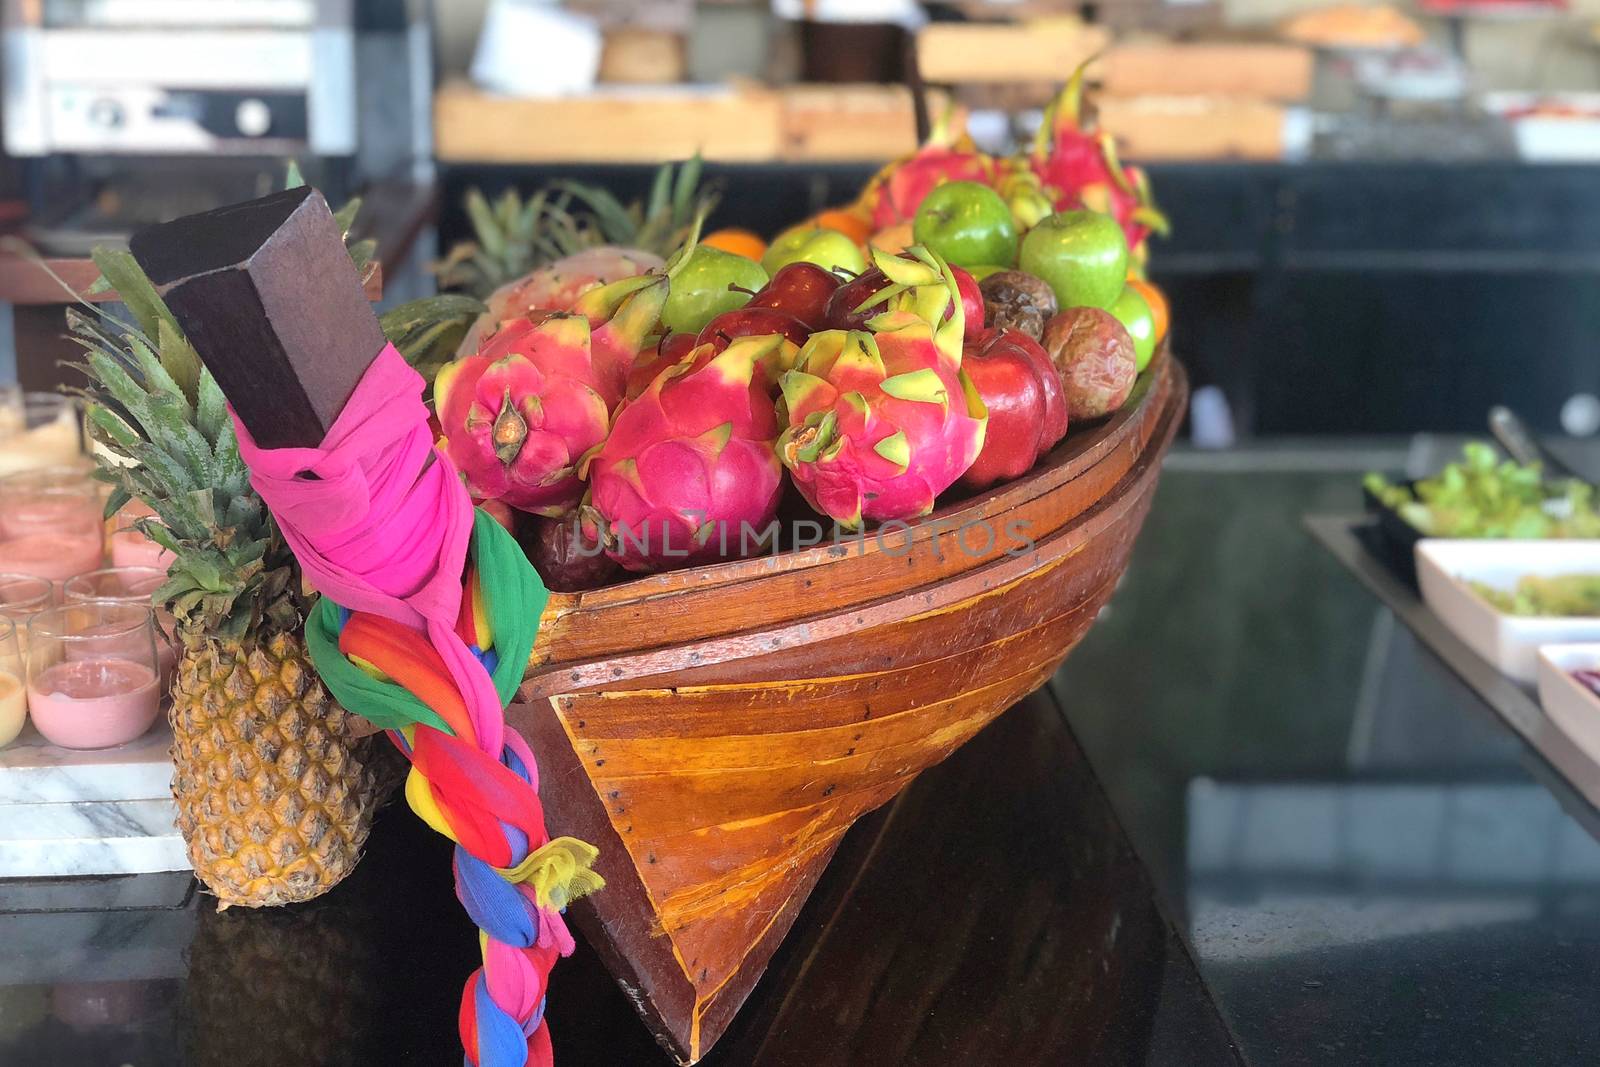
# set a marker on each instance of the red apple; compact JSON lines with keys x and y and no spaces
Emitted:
{"x":843,"y":316}
{"x":751,"y":322}
{"x":651,"y":362}
{"x":802,"y":289}
{"x":841,"y":313}
{"x":971,"y":303}
{"x":1053,"y":427}
{"x":1027,"y":410}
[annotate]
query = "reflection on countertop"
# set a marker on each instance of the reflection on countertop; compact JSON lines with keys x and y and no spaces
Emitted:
{"x":1367,"y":864}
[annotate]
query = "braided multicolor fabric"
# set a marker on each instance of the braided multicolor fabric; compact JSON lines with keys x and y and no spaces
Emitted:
{"x":386,"y":532}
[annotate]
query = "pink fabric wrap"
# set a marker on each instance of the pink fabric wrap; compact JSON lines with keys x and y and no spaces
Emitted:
{"x":383,"y":526}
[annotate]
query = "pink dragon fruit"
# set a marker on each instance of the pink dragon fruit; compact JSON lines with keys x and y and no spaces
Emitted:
{"x":895,"y":192}
{"x":879,"y":423}
{"x":1078,"y":165}
{"x":519,"y":415}
{"x":689,"y":472}
{"x":556,"y":287}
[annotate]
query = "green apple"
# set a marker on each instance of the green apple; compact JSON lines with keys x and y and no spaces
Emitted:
{"x":1082,"y":255}
{"x":1133,"y":311}
{"x":826,"y":248}
{"x":967,"y":224}
{"x":708,"y":284}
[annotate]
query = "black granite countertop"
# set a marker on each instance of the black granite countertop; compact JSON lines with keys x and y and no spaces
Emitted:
{"x":1358,"y":852}
{"x":1249,"y":822}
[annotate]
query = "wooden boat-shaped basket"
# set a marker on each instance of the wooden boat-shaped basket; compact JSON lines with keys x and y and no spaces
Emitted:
{"x":716,"y":730}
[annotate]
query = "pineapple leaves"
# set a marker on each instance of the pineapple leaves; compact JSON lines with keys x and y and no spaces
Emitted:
{"x":683,"y":198}
{"x":661,"y":199}
{"x":118,"y":499}
{"x":346,"y":216}
{"x":122,"y":271}
{"x":122,"y":388}
{"x":513,"y":235}
{"x":174,"y":433}
{"x":205,"y":574}
{"x":176,"y":371}
{"x":427,"y":331}
{"x":210,"y":409}
{"x":233,"y":477}
{"x":616,"y":223}
{"x":484,"y":224}
{"x":167,"y":439}
{"x":362,"y":253}
{"x":113,"y":430}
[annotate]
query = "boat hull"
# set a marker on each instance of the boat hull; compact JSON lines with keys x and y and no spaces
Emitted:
{"x":715,"y":731}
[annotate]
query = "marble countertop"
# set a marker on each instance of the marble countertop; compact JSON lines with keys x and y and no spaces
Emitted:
{"x":34,"y":771}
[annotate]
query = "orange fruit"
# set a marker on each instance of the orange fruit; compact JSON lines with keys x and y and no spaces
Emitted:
{"x":896,"y":238}
{"x":846,"y":222}
{"x":1157,"y":301}
{"x":739,"y":242}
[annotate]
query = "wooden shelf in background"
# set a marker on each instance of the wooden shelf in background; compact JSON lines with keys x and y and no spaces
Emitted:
{"x":1163,"y":68}
{"x":732,"y":125}
{"x":851,"y":122}
{"x":1193,"y":127}
{"x":801,"y":123}
{"x":1047,"y":50}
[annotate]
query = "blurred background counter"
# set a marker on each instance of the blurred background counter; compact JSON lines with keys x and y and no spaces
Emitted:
{"x":1383,"y":218}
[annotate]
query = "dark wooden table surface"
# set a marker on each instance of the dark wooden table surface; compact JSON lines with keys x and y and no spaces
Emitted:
{"x":994,"y":914}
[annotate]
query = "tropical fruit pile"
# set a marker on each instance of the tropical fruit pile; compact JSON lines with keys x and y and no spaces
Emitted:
{"x":936,"y":336}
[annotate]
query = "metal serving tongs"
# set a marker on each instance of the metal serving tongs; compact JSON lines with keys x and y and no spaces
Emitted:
{"x":1520,"y":444}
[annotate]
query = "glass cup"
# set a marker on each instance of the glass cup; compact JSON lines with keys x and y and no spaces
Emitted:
{"x":129,"y":545}
{"x":50,"y":523}
{"x":23,"y":594}
{"x":13,"y":688}
{"x":41,"y":429}
{"x":134,"y":586}
{"x":12,"y":417}
{"x":93,"y":673}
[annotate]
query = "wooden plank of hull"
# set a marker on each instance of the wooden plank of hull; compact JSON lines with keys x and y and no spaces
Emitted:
{"x":718,"y":775}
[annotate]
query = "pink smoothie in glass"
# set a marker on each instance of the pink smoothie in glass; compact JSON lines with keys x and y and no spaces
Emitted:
{"x":116,"y":640}
{"x":56,"y":556}
{"x":93,"y":703}
{"x":130,"y":548}
{"x":46,"y":513}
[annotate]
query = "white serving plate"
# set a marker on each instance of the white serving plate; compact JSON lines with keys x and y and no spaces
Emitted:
{"x":1568,"y":703}
{"x":1511,"y":643}
{"x":1551,"y":138}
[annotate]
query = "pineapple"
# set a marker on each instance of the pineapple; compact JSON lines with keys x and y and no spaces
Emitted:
{"x":275,"y":792}
{"x":515,"y":236}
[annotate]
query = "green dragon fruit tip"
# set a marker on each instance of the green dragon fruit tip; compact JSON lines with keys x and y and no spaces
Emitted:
{"x":918,"y":386}
{"x":896,"y":448}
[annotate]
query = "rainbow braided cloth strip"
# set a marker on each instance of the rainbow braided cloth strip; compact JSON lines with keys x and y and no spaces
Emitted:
{"x":428,"y":616}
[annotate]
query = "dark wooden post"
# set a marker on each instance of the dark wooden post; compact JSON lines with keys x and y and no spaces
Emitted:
{"x":270,"y":300}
